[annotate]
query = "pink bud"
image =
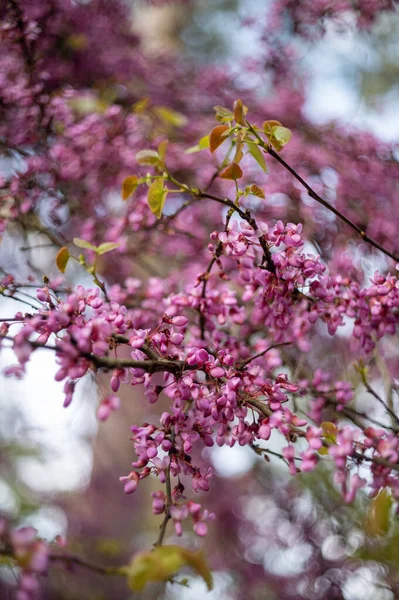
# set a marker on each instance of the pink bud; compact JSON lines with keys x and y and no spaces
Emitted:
{"x":103,"y":411}
{"x":200,"y":528}
{"x":151,"y":452}
{"x":264,"y":432}
{"x":115,"y":383}
{"x":130,"y":486}
{"x":217,"y":372}
{"x":179,"y":321}
{"x":176,"y":338}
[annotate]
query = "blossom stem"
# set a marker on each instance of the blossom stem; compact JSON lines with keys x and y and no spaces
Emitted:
{"x":169,"y":502}
{"x":260,"y":354}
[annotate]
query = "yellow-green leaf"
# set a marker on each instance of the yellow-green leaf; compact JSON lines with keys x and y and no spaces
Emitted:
{"x":258,"y":155}
{"x":217,"y":136}
{"x":282,"y":135}
{"x":148,"y":157}
{"x":232,"y":171}
{"x":379,"y":514}
{"x":106,"y":247}
{"x":202,"y":145}
{"x":62,"y":258}
{"x":268,"y":126}
{"x":197,"y":561}
{"x":156,"y":198}
{"x":330,"y":435}
{"x":83,"y":244}
{"x":141,"y":105}
{"x":129,"y":186}
{"x":77,"y":41}
{"x":223,"y":115}
{"x":85,"y":105}
{"x":162,"y":563}
{"x":170,"y":117}
{"x":162,"y":149}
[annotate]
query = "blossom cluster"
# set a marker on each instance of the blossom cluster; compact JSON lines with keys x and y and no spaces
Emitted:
{"x":31,"y":555}
{"x":220,"y":394}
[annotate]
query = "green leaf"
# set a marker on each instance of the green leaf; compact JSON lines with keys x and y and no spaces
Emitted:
{"x":170,"y":117}
{"x":148,"y":157}
{"x":83,"y":244}
{"x":379,"y":513}
{"x":258,"y":155}
{"x":156,"y":198}
{"x":202,"y":145}
{"x":162,"y":563}
{"x":62,"y":258}
{"x":106,"y":247}
{"x":129,"y":186}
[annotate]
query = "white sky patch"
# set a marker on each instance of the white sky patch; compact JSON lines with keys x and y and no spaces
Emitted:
{"x":232,"y":462}
{"x":49,"y":521}
{"x":223,"y":589}
{"x":59,"y":434}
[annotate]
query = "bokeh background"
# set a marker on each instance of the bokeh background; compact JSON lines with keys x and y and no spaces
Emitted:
{"x":274,"y":537}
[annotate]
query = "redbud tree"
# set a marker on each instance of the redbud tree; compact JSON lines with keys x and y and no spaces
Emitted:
{"x":243,"y":268}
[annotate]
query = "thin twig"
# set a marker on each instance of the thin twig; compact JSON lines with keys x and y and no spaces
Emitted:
{"x":381,"y":401}
{"x":382,"y":462}
{"x":260,"y":354}
{"x":259,"y":450}
{"x":72,"y":559}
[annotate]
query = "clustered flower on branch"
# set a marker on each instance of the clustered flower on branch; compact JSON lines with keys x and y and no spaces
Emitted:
{"x":232,"y":333}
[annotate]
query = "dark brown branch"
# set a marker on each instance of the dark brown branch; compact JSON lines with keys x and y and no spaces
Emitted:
{"x":149,"y":366}
{"x":267,"y":148}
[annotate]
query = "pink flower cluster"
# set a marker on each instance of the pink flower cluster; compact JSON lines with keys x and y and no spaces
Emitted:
{"x":31,"y":555}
